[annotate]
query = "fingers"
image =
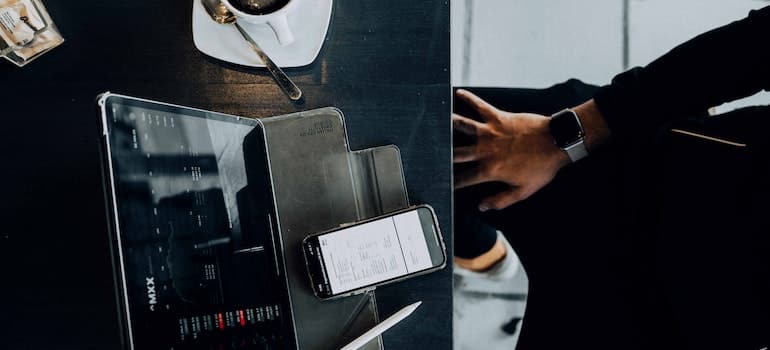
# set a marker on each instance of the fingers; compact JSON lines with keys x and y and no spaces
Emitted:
{"x":465,"y":154}
{"x":504,"y":199}
{"x":465,"y":125}
{"x":486,"y":110}
{"x":470,"y":177}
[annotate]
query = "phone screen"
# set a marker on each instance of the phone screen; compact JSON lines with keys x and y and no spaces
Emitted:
{"x":377,"y":251}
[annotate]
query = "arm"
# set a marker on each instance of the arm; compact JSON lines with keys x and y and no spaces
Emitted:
{"x":719,"y":66}
{"x":517,"y":149}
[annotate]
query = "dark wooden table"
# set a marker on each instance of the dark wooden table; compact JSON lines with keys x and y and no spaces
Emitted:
{"x":384,"y":63}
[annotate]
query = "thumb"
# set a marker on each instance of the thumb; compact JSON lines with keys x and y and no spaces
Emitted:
{"x":503,"y":199}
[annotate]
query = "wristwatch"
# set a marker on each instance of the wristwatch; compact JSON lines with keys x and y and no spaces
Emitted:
{"x":568,"y":134}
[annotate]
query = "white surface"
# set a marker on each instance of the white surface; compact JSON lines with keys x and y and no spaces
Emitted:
{"x":457,"y":40}
{"x":481,"y":309}
{"x":309,"y":22}
{"x":657,"y":26}
{"x":479,"y":321}
{"x":520,"y":43}
{"x":760,"y":98}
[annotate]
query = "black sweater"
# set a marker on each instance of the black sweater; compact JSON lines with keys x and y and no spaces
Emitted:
{"x":718,"y":66}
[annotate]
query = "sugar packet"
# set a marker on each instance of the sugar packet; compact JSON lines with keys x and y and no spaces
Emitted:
{"x":26,"y":31}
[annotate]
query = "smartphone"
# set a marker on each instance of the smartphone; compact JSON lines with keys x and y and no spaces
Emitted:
{"x":385,"y":249}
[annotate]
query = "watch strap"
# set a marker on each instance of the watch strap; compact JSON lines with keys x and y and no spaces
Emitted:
{"x":577,"y":151}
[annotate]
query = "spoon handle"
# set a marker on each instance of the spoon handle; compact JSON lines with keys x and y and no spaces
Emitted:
{"x":280,"y":77}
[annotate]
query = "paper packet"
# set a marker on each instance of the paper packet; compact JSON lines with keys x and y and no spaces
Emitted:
{"x":26,"y":31}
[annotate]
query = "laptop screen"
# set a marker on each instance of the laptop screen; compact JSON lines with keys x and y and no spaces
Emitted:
{"x":193,"y":232}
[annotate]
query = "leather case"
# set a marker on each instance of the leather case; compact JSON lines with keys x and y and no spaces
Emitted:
{"x":318,"y":184}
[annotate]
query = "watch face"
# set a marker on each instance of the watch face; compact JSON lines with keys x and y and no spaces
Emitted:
{"x":565,"y":128}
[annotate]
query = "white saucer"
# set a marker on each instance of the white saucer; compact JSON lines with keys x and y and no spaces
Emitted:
{"x":308,"y":21}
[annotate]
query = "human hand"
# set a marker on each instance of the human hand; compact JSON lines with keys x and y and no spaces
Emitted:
{"x":514,"y":148}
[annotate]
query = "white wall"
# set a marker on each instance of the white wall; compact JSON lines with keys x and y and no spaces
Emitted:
{"x":657,"y":26}
{"x":536,"y":43}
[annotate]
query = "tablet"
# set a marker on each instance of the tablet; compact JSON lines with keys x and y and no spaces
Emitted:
{"x":192,"y":229}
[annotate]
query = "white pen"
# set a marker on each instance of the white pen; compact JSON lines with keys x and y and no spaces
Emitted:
{"x":382,"y":327}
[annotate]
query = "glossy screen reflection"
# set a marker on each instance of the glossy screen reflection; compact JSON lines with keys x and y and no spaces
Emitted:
{"x":198,"y":260}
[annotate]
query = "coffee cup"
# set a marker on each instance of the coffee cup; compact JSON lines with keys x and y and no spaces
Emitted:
{"x":272,"y":12}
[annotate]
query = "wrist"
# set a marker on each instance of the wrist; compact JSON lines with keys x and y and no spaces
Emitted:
{"x":568,"y":134}
{"x":556,"y":155}
{"x":561,"y":158}
{"x":595,"y":129}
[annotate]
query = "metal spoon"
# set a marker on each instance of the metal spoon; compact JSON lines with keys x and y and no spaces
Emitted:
{"x":220,"y":14}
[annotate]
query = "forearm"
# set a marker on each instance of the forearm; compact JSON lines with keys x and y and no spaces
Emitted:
{"x":724,"y":64}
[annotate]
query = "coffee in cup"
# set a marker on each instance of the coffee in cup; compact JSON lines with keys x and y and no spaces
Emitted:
{"x":272,"y":12}
{"x":259,"y":7}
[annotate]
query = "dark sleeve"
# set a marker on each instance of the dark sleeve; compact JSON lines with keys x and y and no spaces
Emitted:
{"x":718,"y":66}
